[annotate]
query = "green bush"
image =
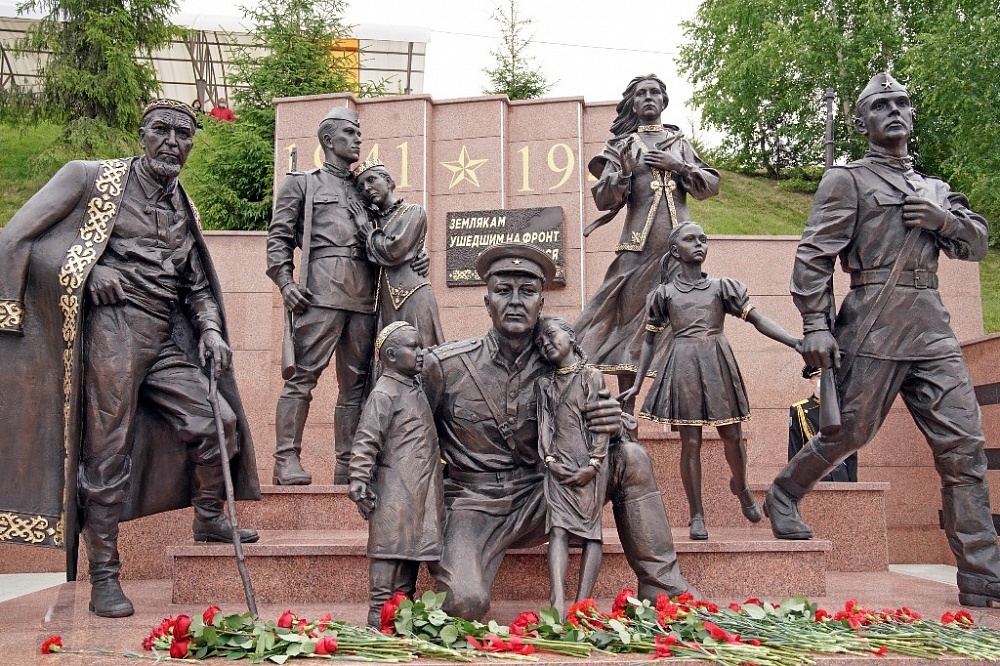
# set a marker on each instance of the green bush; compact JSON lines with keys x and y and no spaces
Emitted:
{"x":229,"y":176}
{"x":85,"y":139}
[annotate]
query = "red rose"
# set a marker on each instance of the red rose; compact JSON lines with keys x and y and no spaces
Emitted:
{"x":388,"y":618}
{"x":326,"y":645}
{"x":52,"y":644}
{"x":209,"y":614}
{"x":181,"y":625}
{"x":521,"y":623}
{"x":286,"y":620}
{"x":621,"y":601}
{"x":179,"y":648}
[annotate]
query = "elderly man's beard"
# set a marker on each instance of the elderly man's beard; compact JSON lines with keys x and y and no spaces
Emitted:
{"x":164,"y":169}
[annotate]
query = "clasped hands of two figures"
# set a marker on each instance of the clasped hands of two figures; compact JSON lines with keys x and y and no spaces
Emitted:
{"x":604,"y":415}
{"x":297,"y":299}
{"x":104,"y":287}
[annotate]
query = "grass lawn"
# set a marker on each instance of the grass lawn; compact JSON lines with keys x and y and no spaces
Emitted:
{"x":752,"y":206}
{"x":989,"y":284}
{"x":19,"y":175}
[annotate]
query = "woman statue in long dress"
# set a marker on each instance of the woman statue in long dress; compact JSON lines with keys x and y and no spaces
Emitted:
{"x":648,"y":168}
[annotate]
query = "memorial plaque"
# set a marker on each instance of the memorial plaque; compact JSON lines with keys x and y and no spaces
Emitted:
{"x":471,"y":232}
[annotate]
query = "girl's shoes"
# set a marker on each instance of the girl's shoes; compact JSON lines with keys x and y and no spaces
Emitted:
{"x":697,"y":530}
{"x":747,"y":503}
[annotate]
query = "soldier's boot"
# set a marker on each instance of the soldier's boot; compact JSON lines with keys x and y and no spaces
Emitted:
{"x":208,"y":498}
{"x":643,"y":528}
{"x":290,"y":422}
{"x":968,"y":524}
{"x":100,"y":535}
{"x":793,"y":483}
{"x":345,"y":424}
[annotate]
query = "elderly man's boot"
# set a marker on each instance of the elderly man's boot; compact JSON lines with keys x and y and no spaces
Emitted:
{"x":100,"y":536}
{"x":793,"y":483}
{"x":968,"y":524}
{"x":345,"y":424}
{"x":208,"y":499}
{"x":290,"y":421}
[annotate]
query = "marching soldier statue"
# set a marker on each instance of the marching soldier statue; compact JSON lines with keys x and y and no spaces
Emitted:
{"x":888,"y":224}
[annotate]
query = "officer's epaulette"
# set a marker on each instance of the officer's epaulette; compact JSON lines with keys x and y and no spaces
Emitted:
{"x":456,"y":347}
{"x":800,"y":403}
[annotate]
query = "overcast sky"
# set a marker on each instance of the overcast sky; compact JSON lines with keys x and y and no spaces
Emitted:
{"x":581,"y":45}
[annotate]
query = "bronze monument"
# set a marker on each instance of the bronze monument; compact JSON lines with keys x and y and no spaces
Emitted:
{"x":395,"y":473}
{"x":648,"y":169}
{"x":699,"y":383}
{"x":576,"y":477}
{"x":332,"y":307}
{"x":482,"y":393}
{"x":112,"y":310}
{"x":394,"y":242}
{"x":888,"y":224}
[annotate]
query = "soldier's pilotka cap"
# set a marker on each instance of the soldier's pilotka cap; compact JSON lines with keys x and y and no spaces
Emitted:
{"x":171,"y":105}
{"x":345,"y":114}
{"x":880,"y":83}
{"x":522,"y":258}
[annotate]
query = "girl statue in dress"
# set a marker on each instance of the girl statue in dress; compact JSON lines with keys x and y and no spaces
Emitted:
{"x":576,"y":477}
{"x":699,"y":383}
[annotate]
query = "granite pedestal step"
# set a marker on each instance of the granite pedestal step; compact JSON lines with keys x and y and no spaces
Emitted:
{"x":849,"y":515}
{"x":331,"y":566}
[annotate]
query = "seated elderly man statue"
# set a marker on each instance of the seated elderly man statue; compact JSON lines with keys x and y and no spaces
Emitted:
{"x":888,"y":224}
{"x":111,"y":311}
{"x":482,"y":393}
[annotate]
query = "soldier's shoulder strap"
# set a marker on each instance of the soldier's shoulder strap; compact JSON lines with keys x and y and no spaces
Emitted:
{"x":455,"y":347}
{"x":801,"y":403}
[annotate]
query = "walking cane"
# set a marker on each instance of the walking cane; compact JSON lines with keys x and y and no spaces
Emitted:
{"x":227,"y":477}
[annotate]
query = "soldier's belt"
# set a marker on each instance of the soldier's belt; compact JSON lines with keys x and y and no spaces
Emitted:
{"x":347,"y":252}
{"x":499,"y":476}
{"x":918,"y":278}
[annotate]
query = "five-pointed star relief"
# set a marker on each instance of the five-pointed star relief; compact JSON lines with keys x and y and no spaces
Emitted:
{"x":464,"y":168}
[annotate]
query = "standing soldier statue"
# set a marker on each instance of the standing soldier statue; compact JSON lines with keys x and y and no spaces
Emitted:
{"x":888,"y":224}
{"x":333,"y":304}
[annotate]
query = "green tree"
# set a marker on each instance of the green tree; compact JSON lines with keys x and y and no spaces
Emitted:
{"x":759,"y":68}
{"x":514,"y":74}
{"x":954,"y":69}
{"x":294,"y":51}
{"x":96,"y":67}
